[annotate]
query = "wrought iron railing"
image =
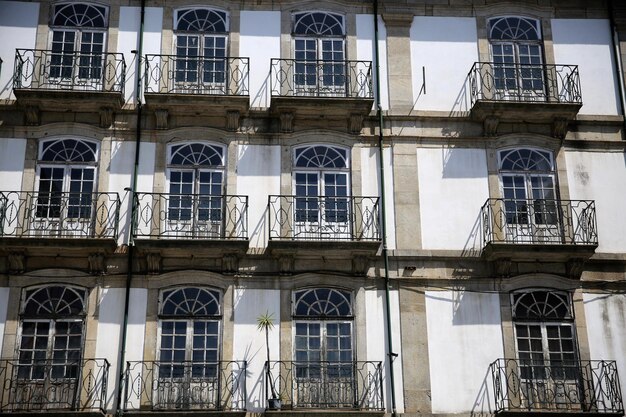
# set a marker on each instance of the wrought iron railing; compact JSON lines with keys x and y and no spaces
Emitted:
{"x":319,"y":78}
{"x":171,"y":74}
{"x":69,"y":70}
{"x":326,"y":385}
{"x":71,"y":385}
{"x":185,"y":385}
{"x":539,"y":221}
{"x":323,"y":218}
{"x":59,"y":214}
{"x":524,"y":83}
{"x":531,"y":385}
{"x":191,"y":216}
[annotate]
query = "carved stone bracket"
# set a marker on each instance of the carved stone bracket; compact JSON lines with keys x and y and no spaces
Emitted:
{"x":360,"y":265}
{"x":356,"y":123}
{"x":161,"y":116}
{"x":230,"y":263}
{"x":32,"y":114}
{"x":490,"y":126}
{"x":153,"y":262}
{"x":232,"y":120}
{"x":502,"y":267}
{"x":286,"y":264}
{"x":286,"y":122}
{"x":97,"y":265}
{"x":106,"y":117}
{"x":559,"y":127}
{"x":575,"y":268}
{"x":17,"y":262}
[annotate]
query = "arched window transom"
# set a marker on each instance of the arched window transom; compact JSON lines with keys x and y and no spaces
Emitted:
{"x":68,"y":151}
{"x":526,"y":160}
{"x":79,"y":15}
{"x":197,"y":155}
{"x":54,"y":301}
{"x":201,"y":20}
{"x":190,"y":302}
{"x":541,"y":305}
{"x":514,"y":29}
{"x":319,"y":156}
{"x":323,"y":303}
{"x":318,"y":24}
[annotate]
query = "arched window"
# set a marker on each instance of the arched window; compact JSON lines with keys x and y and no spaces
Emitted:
{"x":189,"y":347}
{"x":78,"y":40}
{"x":323,"y":347}
{"x":545,"y":340}
{"x":201,"y":49}
{"x":319,"y":52}
{"x":51,"y":337}
{"x":196,"y":181}
{"x":67,"y":182}
{"x":529,"y":191}
{"x":516,"y":50}
{"x":321,"y":185}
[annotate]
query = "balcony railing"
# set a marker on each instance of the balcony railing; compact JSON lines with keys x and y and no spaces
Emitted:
{"x":524,"y":83}
{"x":59,"y":214}
{"x":562,"y":386}
{"x":38,"y":69}
{"x":171,"y":74}
{"x":571,"y":222}
{"x":191,"y":216}
{"x":326,"y":385}
{"x":297,"y":78}
{"x":44,"y":385}
{"x":323,"y":218}
{"x":180,"y":386}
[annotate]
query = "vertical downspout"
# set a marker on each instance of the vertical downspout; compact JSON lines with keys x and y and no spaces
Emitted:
{"x":379,"y":113}
{"x":618,"y":65}
{"x":131,"y":229}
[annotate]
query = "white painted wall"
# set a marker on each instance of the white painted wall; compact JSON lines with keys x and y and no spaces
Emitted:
{"x":464,"y":337}
{"x":18,"y":29}
{"x":598,"y":176}
{"x":121,"y":174}
{"x":376,"y":338}
{"x":446,"y":47}
{"x":370,"y":180}
{"x":452,"y":188}
{"x":587,"y":43}
{"x":258,"y":176}
{"x":249,"y":342}
{"x":4,"y":305}
{"x":259,"y":40}
{"x":128,"y":40}
{"x":365,"y":51}
{"x":605,"y":315}
{"x":12,"y":154}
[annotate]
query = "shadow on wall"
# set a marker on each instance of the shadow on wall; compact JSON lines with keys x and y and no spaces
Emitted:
{"x":262,"y":97}
{"x":260,"y":233}
{"x":463,"y":102}
{"x":482,"y":406}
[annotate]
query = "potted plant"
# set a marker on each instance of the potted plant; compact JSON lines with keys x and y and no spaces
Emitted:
{"x":266,"y":323}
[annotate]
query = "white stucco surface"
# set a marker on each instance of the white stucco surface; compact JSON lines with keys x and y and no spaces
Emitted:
{"x":446,"y":48}
{"x":249,"y":342}
{"x":605,"y":315}
{"x":464,"y":337}
{"x":453,"y":186}
{"x":376,"y":336}
{"x":18,"y":23}
{"x":365,"y":51}
{"x":128,"y":40}
{"x":258,"y":176}
{"x":587,"y":43}
{"x":12,"y":153}
{"x":4,"y":305}
{"x":259,"y":40}
{"x":370,"y":180}
{"x":598,"y":176}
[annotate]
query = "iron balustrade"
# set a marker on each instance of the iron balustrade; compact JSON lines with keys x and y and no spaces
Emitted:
{"x":524,"y":83}
{"x":191,"y":216}
{"x":69,"y":70}
{"x":324,"y":218}
{"x":59,"y":214}
{"x":171,"y":74}
{"x":536,"y":385}
{"x":54,"y":384}
{"x":321,"y":78}
{"x":326,"y":385}
{"x":185,"y":385}
{"x":539,"y":221}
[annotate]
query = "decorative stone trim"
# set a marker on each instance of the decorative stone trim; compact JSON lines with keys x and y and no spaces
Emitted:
{"x":232,"y":120}
{"x":17,"y":262}
{"x":230,"y":263}
{"x":286,"y":122}
{"x":559,"y":127}
{"x":153,"y":262}
{"x":286,"y":264}
{"x":32,"y":114}
{"x":360,"y":265}
{"x":356,"y":123}
{"x":575,"y":268}
{"x":502,"y":267}
{"x":106,"y":117}
{"x":490,"y":126}
{"x":161,"y":116}
{"x":97,"y":265}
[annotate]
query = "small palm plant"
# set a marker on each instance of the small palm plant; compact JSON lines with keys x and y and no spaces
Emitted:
{"x":265,"y":322}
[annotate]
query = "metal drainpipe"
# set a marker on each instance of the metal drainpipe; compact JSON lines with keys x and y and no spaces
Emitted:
{"x":379,"y":112}
{"x":618,"y":65}
{"x":131,"y":229}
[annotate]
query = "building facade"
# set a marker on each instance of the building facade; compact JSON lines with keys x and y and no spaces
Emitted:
{"x":423,"y":201}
